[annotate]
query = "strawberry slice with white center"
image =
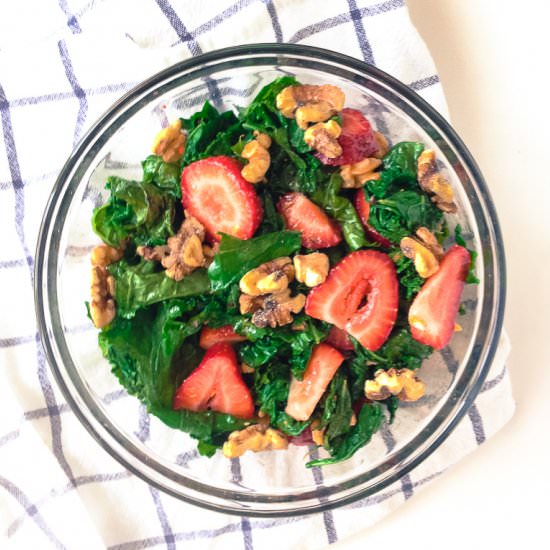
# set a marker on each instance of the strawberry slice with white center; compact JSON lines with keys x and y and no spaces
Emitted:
{"x":301,"y":214}
{"x":210,"y":336}
{"x":305,"y":394}
{"x":359,"y":296}
{"x":357,"y":139}
{"x":433,"y":311}
{"x":216,"y":384}
{"x":214,"y":191}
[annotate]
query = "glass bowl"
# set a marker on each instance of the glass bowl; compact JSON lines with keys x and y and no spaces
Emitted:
{"x":276,"y":483}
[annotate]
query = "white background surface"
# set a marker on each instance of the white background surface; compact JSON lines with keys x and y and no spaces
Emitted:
{"x":492,"y":57}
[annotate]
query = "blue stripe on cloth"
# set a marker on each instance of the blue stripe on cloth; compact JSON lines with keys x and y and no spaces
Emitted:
{"x":78,"y":91}
{"x":10,"y":436}
{"x":144,"y":424}
{"x":272,"y":11}
{"x":328,"y":518}
{"x":30,"y":510}
{"x":423,"y":83}
{"x":232,"y":10}
{"x":60,"y":491}
{"x":477,"y":423}
{"x":185,"y":36}
{"x":14,"y":263}
{"x":178,"y":26}
{"x":490,"y":384}
{"x":389,"y":441}
{"x":16,"y":341}
{"x":60,"y":96}
{"x":237,"y":478}
{"x":364,"y":44}
{"x":164,"y":522}
{"x":343,"y":18}
{"x":72,"y":22}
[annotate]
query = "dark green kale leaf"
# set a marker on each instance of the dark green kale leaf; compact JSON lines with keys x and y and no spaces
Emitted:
{"x":341,"y":209}
{"x":271,"y":386}
{"x":237,"y":256}
{"x":337,"y":409}
{"x":163,"y":175}
{"x":399,"y":169}
{"x":140,"y":285}
{"x":402,"y":213}
{"x":210,"y":133}
{"x":410,"y":282}
{"x":135,"y":210}
{"x":345,"y":446}
{"x":288,"y":345}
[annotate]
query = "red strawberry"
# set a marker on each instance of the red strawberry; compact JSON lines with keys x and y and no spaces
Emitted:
{"x":210,"y":336}
{"x":305,"y":394}
{"x":363,"y":209}
{"x":300,"y":214}
{"x":216,"y":384}
{"x":433,"y":311}
{"x":357,"y":139}
{"x":214,"y":192}
{"x":339,"y":339}
{"x":363,"y":275}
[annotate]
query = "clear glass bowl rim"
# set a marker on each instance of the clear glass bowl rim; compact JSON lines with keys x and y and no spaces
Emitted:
{"x":46,"y":265}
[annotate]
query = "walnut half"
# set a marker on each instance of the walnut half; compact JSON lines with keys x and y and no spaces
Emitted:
{"x":434,"y":183}
{"x":424,"y":250}
{"x":102,"y":287}
{"x":323,"y":137}
{"x":255,"y":438}
{"x":400,"y":382}
{"x":270,"y":277}
{"x":272,"y":309}
{"x":182,"y":253}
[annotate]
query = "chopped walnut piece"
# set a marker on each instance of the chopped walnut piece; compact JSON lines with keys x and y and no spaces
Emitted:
{"x":170,"y":142}
{"x":102,"y":290}
{"x":424,"y":250}
{"x":246,"y":369}
{"x":272,"y":309}
{"x":311,"y":269}
{"x":400,"y":382}
{"x":255,"y":438}
{"x":310,"y":103}
{"x":103,"y":255}
{"x":434,"y":183}
{"x":257,"y":154}
{"x":153,"y":253}
{"x":272,"y":276}
{"x":323,"y":137}
{"x":356,"y":175}
{"x":185,"y":248}
{"x":102,"y":287}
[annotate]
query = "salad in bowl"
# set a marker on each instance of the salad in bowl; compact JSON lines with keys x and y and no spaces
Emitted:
{"x":278,"y":275}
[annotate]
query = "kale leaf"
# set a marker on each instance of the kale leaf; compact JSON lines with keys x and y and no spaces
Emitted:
{"x":139,"y":285}
{"x":343,"y":447}
{"x":136,"y":210}
{"x":237,"y":256}
{"x":341,"y":209}
{"x":164,"y":175}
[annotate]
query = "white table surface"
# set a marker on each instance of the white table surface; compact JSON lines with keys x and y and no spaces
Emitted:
{"x":492,"y":56}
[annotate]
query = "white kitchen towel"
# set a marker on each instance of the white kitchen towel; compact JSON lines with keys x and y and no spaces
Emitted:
{"x":62,"y":63}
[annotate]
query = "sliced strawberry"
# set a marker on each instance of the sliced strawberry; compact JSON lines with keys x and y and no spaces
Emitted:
{"x":339,"y":339}
{"x":210,"y":336}
{"x":433,"y":311}
{"x":363,"y":209}
{"x":357,"y":139}
{"x":300,"y":214}
{"x":305,"y":394}
{"x":216,"y":384}
{"x":214,"y":192}
{"x":363,"y":275}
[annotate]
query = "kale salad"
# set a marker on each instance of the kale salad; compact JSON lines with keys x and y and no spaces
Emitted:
{"x":277,"y":275}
